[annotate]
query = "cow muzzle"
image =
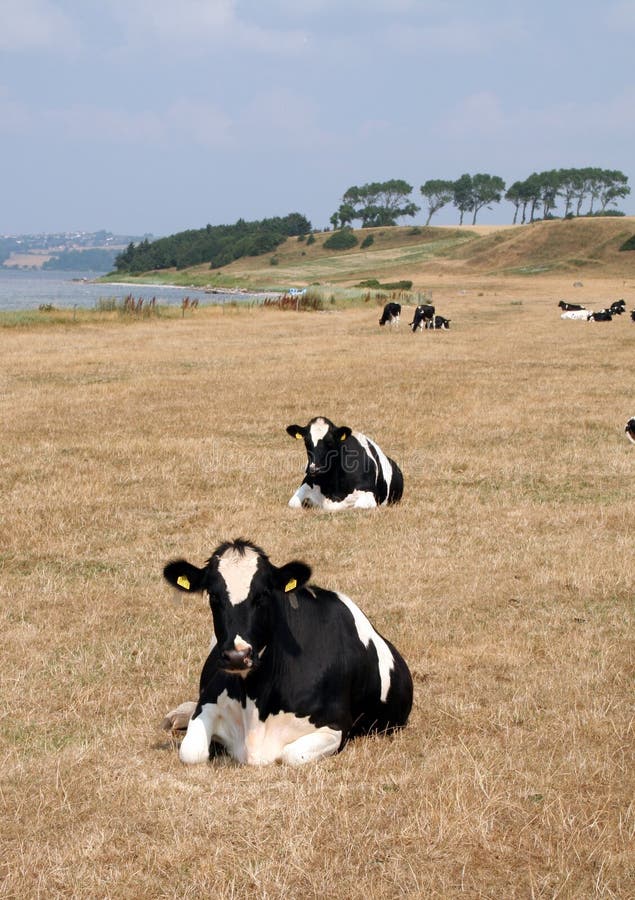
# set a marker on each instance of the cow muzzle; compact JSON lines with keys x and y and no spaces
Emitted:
{"x":237,"y":660}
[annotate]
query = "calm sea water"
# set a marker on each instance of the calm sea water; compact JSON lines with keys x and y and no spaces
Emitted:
{"x":22,"y":290}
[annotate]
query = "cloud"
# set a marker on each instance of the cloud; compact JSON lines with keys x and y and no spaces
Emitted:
{"x":35,"y":25}
{"x":199,"y":26}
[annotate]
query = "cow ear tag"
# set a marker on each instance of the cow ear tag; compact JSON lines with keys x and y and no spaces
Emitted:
{"x":343,"y":438}
{"x":298,"y":436}
{"x":290,"y":585}
{"x":183,"y":582}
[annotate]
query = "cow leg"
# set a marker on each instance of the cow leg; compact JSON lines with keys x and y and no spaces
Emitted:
{"x":198,"y":737}
{"x":323,"y":742}
{"x":178,"y":718}
{"x":365,"y":500}
{"x":301,"y":495}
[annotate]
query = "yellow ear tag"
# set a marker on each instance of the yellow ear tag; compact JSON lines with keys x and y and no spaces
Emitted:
{"x":298,"y":436}
{"x":343,"y":438}
{"x":290,"y":585}
{"x":183,"y":582}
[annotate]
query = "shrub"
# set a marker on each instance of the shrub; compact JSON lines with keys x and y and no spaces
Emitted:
{"x":341,"y":240}
{"x":310,"y":240}
{"x":274,"y":261}
{"x":368,"y":240}
{"x":629,"y":244}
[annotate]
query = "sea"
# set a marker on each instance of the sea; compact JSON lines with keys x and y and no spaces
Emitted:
{"x":27,"y":289}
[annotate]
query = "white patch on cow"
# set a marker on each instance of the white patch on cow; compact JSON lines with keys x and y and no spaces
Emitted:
{"x":283,"y":737}
{"x":313,"y":496}
{"x":241,"y":644}
{"x":318,"y":430}
{"x":237,"y":570}
{"x":367,"y":634}
{"x":386,"y":468}
{"x":581,"y":314}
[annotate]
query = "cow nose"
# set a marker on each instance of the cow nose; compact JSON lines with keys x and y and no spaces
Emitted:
{"x":237,"y":659}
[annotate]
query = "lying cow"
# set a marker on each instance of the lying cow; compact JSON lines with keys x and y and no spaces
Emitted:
{"x":391,"y":314}
{"x":568,"y":307}
{"x":580,"y":314}
{"x":345,"y":469}
{"x":294,"y":672}
{"x":439,"y":322}
{"x":602,"y":315}
{"x":630,"y":430}
{"x":424,"y":313}
{"x":618,"y":307}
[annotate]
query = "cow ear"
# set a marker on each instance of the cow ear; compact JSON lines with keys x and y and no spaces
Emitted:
{"x":296,"y":431}
{"x":184,"y":576}
{"x":342,"y":433}
{"x":292,"y":576}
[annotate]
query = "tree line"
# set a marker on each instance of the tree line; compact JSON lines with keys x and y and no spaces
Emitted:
{"x":215,"y":245}
{"x":383,"y":203}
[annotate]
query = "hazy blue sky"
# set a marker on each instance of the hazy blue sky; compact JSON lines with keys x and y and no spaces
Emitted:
{"x":154,"y":116}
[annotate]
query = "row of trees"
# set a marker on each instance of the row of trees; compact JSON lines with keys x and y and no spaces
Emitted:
{"x":383,"y":203}
{"x":216,"y":245}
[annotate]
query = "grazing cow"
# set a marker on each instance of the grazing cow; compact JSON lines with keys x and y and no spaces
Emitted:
{"x":391,"y":314}
{"x":569,"y":306}
{"x":345,"y":469}
{"x":580,"y":314}
{"x":294,"y":671}
{"x":602,"y":315}
{"x":630,"y":430}
{"x":424,"y":313}
{"x":439,"y":322}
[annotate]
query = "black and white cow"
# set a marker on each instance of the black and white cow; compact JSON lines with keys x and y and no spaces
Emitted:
{"x":630,"y":430}
{"x":294,"y":671}
{"x":580,"y":314}
{"x":618,"y":307}
{"x":424,"y":313}
{"x":602,"y":315}
{"x":633,"y":315}
{"x":391,"y":314}
{"x":345,"y":469}
{"x":569,"y":306}
{"x":439,"y":322}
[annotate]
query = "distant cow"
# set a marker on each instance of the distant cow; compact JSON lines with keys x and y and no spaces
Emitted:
{"x":345,"y":469}
{"x":391,"y":314}
{"x":424,"y":313}
{"x":602,"y":315}
{"x":581,"y":314}
{"x":633,"y":315}
{"x":630,"y":430}
{"x":294,"y":671}
{"x":618,"y":307}
{"x":439,"y":322}
{"x":569,"y":306}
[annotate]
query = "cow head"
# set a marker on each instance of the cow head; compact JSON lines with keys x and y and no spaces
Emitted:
{"x":323,"y":441}
{"x":243,"y":588}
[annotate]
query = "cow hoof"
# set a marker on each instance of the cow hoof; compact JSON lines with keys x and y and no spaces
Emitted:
{"x":295,"y":503}
{"x":178,"y":719}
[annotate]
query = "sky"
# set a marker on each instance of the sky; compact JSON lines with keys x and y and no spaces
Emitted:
{"x":155,"y":116}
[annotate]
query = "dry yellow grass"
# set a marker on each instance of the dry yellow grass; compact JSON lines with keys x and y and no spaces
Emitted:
{"x":505,"y":577}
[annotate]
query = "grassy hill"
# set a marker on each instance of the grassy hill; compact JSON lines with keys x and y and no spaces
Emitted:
{"x":583,"y":246}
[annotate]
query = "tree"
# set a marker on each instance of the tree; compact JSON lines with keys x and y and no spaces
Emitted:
{"x":613,"y":186}
{"x":486,"y":189}
{"x":462,"y":195}
{"x":515,"y":195}
{"x":438,"y":194}
{"x":378,"y":203}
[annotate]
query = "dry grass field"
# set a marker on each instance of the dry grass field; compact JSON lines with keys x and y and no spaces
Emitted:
{"x":505,"y":577}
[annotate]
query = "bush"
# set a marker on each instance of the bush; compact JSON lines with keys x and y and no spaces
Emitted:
{"x":341,"y":240}
{"x":310,"y":240}
{"x":629,"y":244}
{"x":368,"y":240}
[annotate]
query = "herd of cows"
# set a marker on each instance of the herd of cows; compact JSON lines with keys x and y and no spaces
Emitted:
{"x":295,"y":671}
{"x":581,"y":313}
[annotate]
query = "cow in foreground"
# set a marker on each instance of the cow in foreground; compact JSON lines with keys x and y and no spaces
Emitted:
{"x":424,"y":314}
{"x":294,"y":671}
{"x":630,"y":430}
{"x":391,"y":314}
{"x":345,"y":469}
